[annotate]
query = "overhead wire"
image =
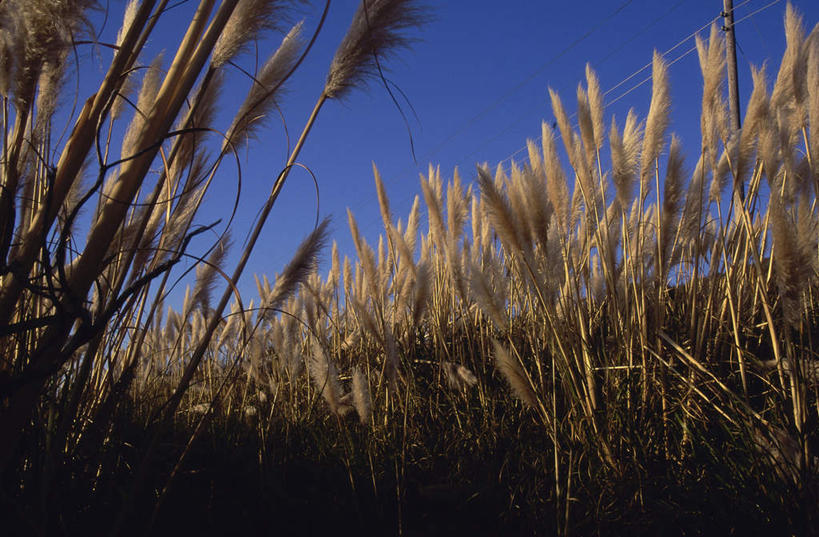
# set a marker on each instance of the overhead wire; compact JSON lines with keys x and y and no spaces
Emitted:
{"x":648,"y":65}
{"x":375,"y":221}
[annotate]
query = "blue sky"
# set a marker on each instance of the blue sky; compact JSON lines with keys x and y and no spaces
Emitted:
{"x":477,"y":77}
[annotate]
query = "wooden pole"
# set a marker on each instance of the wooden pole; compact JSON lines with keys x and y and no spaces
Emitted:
{"x":731,"y":64}
{"x":733,"y":80}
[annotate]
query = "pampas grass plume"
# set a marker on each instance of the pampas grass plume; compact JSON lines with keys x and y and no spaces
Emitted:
{"x":515,"y":375}
{"x":376,"y":31}
{"x":361,"y":396}
{"x":656,"y":122}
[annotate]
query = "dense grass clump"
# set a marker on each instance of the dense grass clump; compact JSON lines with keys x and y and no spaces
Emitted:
{"x":623,"y":346}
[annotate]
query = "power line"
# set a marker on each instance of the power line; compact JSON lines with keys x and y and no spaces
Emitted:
{"x":648,"y":65}
{"x":647,"y":79}
{"x":494,"y":104}
{"x":625,"y":80}
{"x":751,"y":14}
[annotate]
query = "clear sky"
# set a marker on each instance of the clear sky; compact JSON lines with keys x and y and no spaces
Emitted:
{"x":477,"y":77}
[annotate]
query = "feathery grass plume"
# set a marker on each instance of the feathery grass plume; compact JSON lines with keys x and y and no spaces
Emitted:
{"x":476,"y":223}
{"x":712,"y":65}
{"x":123,"y":96}
{"x":384,"y":265}
{"x":491,"y":303}
{"x":413,"y":220}
{"x":383,"y":200}
{"x":589,"y":188}
{"x":612,"y":234}
{"x":265,"y":89}
{"x":127,"y":20}
{"x":694,"y":208}
{"x":457,"y":376}
{"x":584,"y":121}
{"x":672,"y":198}
{"x":625,"y":157}
{"x":10,"y":38}
{"x":347,"y":276}
{"x":533,"y":153}
{"x":145,"y":100}
{"x":248,"y":20}
{"x":756,"y":114}
{"x":361,"y":396}
{"x":500,"y":213}
{"x":303,"y":263}
{"x":457,"y":203}
{"x":563,"y":124}
{"x":48,"y":89}
{"x":789,"y":85}
{"x":515,"y":375}
{"x":47,"y":31}
{"x":768,"y":143}
{"x":364,"y":318}
{"x":517,"y":202}
{"x":324,"y":375}
{"x":556,"y":186}
{"x":206,"y":274}
{"x":174,"y":231}
{"x":807,"y":233}
{"x":434,"y":207}
{"x":538,"y":208}
{"x":720,"y":177}
{"x":334,"y":277}
{"x":421,"y":290}
{"x":466,"y":376}
{"x":812,"y":81}
{"x":656,"y":122}
{"x":186,"y":146}
{"x":404,"y":252}
{"x":375,"y":32}
{"x":391,"y":359}
{"x":367,"y":257}
{"x":596,"y":106}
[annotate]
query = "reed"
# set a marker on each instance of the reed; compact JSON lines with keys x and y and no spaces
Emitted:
{"x":581,"y":344}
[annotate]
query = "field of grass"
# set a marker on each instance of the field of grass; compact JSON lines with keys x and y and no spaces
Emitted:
{"x":611,"y":338}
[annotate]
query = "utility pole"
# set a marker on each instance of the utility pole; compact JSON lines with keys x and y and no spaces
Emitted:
{"x":733,"y":80}
{"x":731,"y":65}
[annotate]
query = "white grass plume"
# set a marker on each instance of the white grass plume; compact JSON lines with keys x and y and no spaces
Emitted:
{"x":376,"y":32}
{"x":206,"y":273}
{"x":500,"y":213}
{"x":556,"y":186}
{"x":434,"y":206}
{"x":790,"y":79}
{"x":361,"y":396}
{"x":672,"y":198}
{"x":146,"y":97}
{"x":656,"y":122}
{"x":596,"y":106}
{"x":712,"y":118}
{"x":248,"y":20}
{"x":421,"y":291}
{"x":458,"y":377}
{"x":515,"y":375}
{"x":325,"y":377}
{"x":266,"y":88}
{"x":490,"y":302}
{"x":625,"y":157}
{"x":303,"y":263}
